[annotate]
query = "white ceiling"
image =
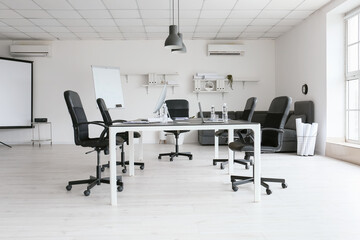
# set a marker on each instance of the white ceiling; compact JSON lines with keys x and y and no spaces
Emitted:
{"x":149,"y":19}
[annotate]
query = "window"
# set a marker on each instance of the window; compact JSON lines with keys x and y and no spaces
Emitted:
{"x":352,"y":77}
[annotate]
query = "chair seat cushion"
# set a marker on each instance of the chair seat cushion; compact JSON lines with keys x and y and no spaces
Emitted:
{"x":125,"y":135}
{"x":243,"y":147}
{"x":97,"y":142}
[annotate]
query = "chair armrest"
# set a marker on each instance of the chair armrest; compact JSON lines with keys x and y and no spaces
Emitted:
{"x":118,"y":121}
{"x":273,"y":129}
{"x":99,"y":123}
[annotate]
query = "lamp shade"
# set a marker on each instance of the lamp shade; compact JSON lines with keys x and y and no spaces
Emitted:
{"x":173,"y":41}
{"x":180,"y":50}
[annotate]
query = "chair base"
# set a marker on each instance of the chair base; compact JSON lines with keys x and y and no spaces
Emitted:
{"x":123,"y":164}
{"x":176,"y":154}
{"x":240,"y":180}
{"x":225,"y":161}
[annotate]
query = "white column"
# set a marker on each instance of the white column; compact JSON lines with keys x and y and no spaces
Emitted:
{"x":257,"y":163}
{"x":141,"y":150}
{"x":231,"y":154}
{"x":131,"y":153}
{"x":216,"y":146}
{"x":112,"y":148}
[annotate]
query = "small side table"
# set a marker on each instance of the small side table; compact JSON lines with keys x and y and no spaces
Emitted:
{"x":38,"y":139}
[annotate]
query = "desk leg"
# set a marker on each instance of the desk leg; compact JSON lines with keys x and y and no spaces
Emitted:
{"x":231,"y":153}
{"x":257,"y":164}
{"x":216,"y":146}
{"x":131,"y":154}
{"x":141,"y":150}
{"x":112,"y":147}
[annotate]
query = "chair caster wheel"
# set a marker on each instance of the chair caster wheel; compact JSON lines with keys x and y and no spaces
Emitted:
{"x":68,"y":187}
{"x":284,"y":185}
{"x":87,"y":192}
{"x":159,"y":157}
{"x":142,"y":167}
{"x":120,"y":188}
{"x":214,"y":163}
{"x":235,"y":188}
{"x":268,"y":191}
{"x":124,"y":170}
{"x":102,"y":169}
{"x":222,"y":166}
{"x":171,"y":159}
{"x":190,"y":158}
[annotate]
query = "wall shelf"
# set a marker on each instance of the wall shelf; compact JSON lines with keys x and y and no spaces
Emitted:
{"x":147,"y":86}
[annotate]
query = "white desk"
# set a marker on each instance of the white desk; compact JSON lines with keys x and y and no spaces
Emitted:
{"x":192,"y":124}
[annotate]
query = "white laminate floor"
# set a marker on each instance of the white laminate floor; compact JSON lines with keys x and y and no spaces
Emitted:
{"x":177,"y":200}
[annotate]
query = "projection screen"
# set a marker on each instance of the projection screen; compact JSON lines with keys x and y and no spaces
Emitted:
{"x":16,"y":93}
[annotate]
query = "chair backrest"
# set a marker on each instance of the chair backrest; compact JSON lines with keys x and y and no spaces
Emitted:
{"x":104,"y":111}
{"x":77,"y":113}
{"x":249,"y":109}
{"x":178,"y":107}
{"x":275,"y":118}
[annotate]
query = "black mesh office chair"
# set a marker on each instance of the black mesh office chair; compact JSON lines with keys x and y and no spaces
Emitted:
{"x":81,"y":137}
{"x":271,"y":141}
{"x":177,"y":108}
{"x":124,"y":135}
{"x":246,"y":116}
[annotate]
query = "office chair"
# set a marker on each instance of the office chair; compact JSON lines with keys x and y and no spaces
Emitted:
{"x":177,"y":108}
{"x":124,"y":135}
{"x":271,"y":141}
{"x":246,"y":116}
{"x":81,"y":137}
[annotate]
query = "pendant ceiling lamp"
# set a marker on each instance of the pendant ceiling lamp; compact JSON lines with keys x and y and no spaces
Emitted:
{"x":173,"y":41}
{"x":183,"y":47}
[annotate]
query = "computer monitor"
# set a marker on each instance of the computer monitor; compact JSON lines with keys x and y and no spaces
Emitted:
{"x":161,"y":99}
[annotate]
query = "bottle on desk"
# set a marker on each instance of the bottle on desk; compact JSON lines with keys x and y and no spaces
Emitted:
{"x":212,"y":116}
{"x":225,"y":113}
{"x":164,"y":111}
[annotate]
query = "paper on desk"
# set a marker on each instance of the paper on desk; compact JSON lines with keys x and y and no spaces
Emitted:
{"x":312,"y":139}
{"x":299,"y":134}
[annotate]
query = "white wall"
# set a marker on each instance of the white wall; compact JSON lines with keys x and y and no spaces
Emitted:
{"x":310,"y":54}
{"x":69,"y":68}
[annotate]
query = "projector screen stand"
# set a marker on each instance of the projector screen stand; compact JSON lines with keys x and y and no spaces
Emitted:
{"x":5,"y":144}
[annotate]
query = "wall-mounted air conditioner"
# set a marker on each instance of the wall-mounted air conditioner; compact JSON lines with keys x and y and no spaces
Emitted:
{"x":30,"y":50}
{"x":226,"y":49}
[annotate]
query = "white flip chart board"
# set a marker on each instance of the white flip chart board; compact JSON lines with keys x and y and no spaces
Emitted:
{"x":107,"y":83}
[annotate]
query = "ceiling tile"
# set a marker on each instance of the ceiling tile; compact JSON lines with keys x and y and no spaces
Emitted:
{"x":64,"y":35}
{"x":122,"y":4}
{"x":54,"y":29}
{"x":272,"y":34}
{"x":17,"y":36}
{"x":229,"y":29}
{"x":9,"y":14}
{"x":102,"y":22}
{"x":32,"y":29}
{"x":191,"y":4}
{"x":289,"y":22}
{"x":106,"y":29}
{"x":33,"y":13}
{"x":216,"y":4}
{"x":312,"y":5}
{"x":254,"y":35}
{"x":71,"y":14}
{"x":45,"y":22}
{"x":154,"y":35}
{"x":81,"y":29}
{"x":204,"y":35}
{"x":257,"y":28}
{"x":238,"y":21}
{"x":128,"y":22}
{"x":156,"y":22}
{"x":227,"y":35}
{"x":20,"y":4}
{"x":87,"y":4}
{"x":264,"y":21}
{"x":2,"y":6}
{"x":299,"y":14}
{"x":273,"y":14}
{"x":209,"y":21}
{"x":41,"y":36}
{"x":87,"y":35}
{"x":207,"y":29}
{"x":154,"y":4}
{"x":283,"y":5}
{"x":155,"y":29}
{"x":155,"y":14}
{"x":74,"y":22}
{"x":132,"y":29}
{"x":187,"y":29}
{"x":188,"y":21}
{"x":95,"y":13}
{"x":53,"y":4}
{"x":17,"y":22}
{"x":5,"y":29}
{"x":189,"y":14}
{"x":244,"y":14}
{"x":251,"y":4}
{"x":111,"y":35}
{"x":278,"y":28}
{"x":214,"y":13}
{"x":125,"y":13}
{"x":134,"y":35}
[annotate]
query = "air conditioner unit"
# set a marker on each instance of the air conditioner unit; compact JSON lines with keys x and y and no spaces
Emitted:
{"x":30,"y":50}
{"x":226,"y":49}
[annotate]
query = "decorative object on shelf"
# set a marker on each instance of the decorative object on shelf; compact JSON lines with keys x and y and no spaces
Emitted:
{"x":304,"y":89}
{"x":230,"y":81}
{"x":209,"y":86}
{"x":173,"y":41}
{"x":183,"y":48}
